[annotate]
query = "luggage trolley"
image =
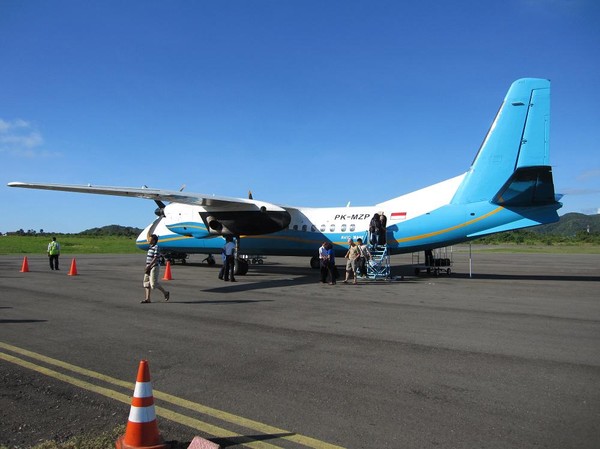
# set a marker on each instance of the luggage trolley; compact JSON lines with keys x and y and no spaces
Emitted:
{"x":254,"y":258}
{"x":438,"y":260}
{"x":174,"y":256}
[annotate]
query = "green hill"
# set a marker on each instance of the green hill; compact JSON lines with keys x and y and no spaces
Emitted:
{"x":113,"y":230}
{"x":571,"y":229}
{"x":571,"y":224}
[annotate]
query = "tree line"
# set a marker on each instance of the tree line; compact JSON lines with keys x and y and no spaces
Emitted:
{"x":110,"y":230}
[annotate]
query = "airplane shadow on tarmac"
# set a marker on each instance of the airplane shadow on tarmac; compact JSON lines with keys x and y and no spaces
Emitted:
{"x":233,"y":441}
{"x":229,"y":287}
{"x":22,"y":321}
{"x":252,"y":280}
{"x":224,"y":301}
{"x":527,"y":277}
{"x":246,"y":439}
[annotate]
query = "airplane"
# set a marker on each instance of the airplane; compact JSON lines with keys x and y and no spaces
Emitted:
{"x":508,"y":186}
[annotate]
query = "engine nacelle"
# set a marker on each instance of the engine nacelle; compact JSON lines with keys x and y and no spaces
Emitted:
{"x":254,"y":222}
{"x":189,"y":229}
{"x":197,"y":222}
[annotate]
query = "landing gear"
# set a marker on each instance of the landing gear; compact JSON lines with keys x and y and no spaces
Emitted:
{"x":210,"y":260}
{"x":315,"y":262}
{"x":240,"y":268}
{"x":174,"y":257}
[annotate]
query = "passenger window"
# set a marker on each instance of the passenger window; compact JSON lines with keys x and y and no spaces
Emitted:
{"x":313,"y":228}
{"x":332,"y":228}
{"x":352,"y":228}
{"x":304,"y":228}
{"x":295,"y":227}
{"x":322,"y":228}
{"x":343,"y":228}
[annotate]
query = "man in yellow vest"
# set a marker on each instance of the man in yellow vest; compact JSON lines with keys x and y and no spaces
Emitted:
{"x":53,"y":253}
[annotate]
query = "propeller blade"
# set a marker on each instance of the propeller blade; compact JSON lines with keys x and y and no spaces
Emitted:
{"x":152,"y":228}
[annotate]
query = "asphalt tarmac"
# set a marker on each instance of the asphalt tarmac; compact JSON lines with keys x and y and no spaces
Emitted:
{"x":508,"y":358}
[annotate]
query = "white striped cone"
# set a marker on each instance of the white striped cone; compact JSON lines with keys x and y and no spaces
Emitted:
{"x":142,"y":429}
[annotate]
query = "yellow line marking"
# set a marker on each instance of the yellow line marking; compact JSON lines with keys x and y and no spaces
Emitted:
{"x":452,"y":228}
{"x":165,"y":413}
{"x":222,"y":415}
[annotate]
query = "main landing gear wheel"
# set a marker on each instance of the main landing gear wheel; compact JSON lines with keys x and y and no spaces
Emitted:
{"x":315,"y":262}
{"x":240,"y":268}
{"x":210,"y":260}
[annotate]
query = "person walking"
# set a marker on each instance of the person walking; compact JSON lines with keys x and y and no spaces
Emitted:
{"x":53,"y":253}
{"x":365,"y":255}
{"x":151,"y":272}
{"x":374,"y":230}
{"x":352,"y":260}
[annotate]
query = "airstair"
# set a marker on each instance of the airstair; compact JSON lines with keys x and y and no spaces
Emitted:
{"x":378,"y":267}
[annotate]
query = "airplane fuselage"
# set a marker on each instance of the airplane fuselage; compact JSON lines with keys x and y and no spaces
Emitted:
{"x":422,"y":219}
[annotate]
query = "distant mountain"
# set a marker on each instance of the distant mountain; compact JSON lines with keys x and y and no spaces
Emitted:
{"x":126,"y":231}
{"x":570,"y":224}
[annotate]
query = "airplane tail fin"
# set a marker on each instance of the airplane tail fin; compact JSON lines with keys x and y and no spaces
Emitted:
{"x":512,"y":166}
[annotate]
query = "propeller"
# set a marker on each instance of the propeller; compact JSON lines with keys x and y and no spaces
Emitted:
{"x":160,"y":210}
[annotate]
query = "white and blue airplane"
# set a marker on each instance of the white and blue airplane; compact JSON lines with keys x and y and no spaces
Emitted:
{"x":508,"y":186}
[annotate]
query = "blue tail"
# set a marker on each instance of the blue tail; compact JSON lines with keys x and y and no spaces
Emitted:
{"x":512,"y":166}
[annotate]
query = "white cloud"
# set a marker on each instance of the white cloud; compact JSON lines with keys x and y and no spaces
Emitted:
{"x":577,"y":192}
{"x":589,"y":174}
{"x":19,"y":138}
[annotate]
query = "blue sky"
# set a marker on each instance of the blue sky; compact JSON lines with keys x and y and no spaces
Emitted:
{"x":280,"y":97}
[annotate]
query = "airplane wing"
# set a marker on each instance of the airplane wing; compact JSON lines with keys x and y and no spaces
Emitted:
{"x":173,"y":196}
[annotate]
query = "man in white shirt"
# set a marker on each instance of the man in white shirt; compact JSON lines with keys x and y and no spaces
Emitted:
{"x":229,"y":259}
{"x":365,"y":255}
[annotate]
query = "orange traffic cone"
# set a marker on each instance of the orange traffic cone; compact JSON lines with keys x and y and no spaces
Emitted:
{"x":25,"y":267}
{"x":167,"y":276}
{"x":73,"y":270}
{"x":142,"y":429}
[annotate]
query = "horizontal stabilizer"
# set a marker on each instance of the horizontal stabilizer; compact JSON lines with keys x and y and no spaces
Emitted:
{"x":528,"y":186}
{"x":550,"y":216}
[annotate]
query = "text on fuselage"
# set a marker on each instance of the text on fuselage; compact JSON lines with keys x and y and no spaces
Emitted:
{"x":351,"y":216}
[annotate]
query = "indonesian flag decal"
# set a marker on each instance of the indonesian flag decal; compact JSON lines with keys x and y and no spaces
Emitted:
{"x":398,"y":216}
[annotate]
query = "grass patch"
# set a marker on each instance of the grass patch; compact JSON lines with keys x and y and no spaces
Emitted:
{"x":69,"y":244}
{"x":581,"y":248}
